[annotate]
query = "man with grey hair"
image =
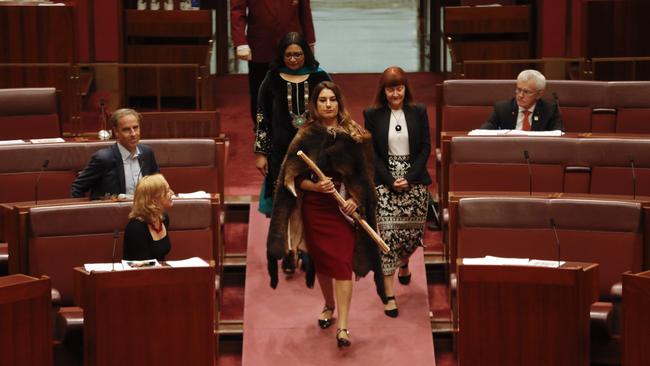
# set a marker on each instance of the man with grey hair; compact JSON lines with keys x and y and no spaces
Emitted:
{"x":117,"y":169}
{"x":526,"y":111}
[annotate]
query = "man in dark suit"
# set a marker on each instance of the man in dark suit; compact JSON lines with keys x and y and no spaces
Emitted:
{"x":526,"y":111}
{"x":117,"y":169}
{"x":257,"y":26}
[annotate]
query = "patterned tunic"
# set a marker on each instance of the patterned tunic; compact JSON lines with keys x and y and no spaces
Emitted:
{"x":274,"y":128}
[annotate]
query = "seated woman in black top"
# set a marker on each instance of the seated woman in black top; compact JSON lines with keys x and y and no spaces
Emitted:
{"x":145,"y":236}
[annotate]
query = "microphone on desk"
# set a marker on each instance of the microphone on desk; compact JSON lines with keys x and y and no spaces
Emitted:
{"x":116,"y":235}
{"x":557,"y":239}
{"x":530,"y":173}
{"x":46,"y":162}
{"x":633,"y":178}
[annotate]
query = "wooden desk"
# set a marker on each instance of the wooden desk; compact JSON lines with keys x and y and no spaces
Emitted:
{"x":515,"y":315}
{"x":25,"y":315}
{"x":636,"y":319}
{"x":157,"y":316}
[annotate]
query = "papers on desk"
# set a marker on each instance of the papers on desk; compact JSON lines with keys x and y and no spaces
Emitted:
{"x":197,"y":194}
{"x":554,"y":133}
{"x":46,"y":141}
{"x":103,"y":267}
{"x":12,"y":142}
{"x":147,"y":263}
{"x":502,"y":261}
{"x":189,"y":262}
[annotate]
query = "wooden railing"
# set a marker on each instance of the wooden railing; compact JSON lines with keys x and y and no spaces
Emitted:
{"x":67,"y":79}
{"x":597,"y":68}
{"x":631,"y":68}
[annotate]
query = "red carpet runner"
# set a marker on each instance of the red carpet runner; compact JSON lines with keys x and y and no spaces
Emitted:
{"x":280,"y":325}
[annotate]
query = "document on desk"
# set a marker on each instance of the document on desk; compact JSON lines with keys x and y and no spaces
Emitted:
{"x":504,"y":261}
{"x":554,"y":133}
{"x":197,"y":194}
{"x":189,"y":262}
{"x":12,"y":142}
{"x":497,"y":261}
{"x":47,"y":140}
{"x":103,"y":267}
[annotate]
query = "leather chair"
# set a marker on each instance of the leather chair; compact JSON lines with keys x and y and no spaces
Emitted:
{"x":609,"y":233}
{"x":62,"y":237}
{"x":186,"y":124}
{"x":29,"y":113}
{"x":633,"y":108}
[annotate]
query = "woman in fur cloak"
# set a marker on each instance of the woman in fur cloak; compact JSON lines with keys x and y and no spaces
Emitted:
{"x":305,"y":215}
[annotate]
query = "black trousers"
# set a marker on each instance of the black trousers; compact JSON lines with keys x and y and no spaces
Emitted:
{"x":256,"y":73}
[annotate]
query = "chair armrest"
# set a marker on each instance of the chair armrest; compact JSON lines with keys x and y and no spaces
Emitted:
{"x":4,"y":259}
{"x":69,"y":324}
{"x":601,"y":315}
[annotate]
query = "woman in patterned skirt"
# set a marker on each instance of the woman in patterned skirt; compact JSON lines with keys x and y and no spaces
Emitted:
{"x":400,"y":133}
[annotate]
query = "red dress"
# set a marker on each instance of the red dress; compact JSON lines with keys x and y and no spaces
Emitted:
{"x":330,"y":238}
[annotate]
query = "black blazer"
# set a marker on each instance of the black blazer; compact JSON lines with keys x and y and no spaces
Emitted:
{"x":377,"y":121}
{"x":104,"y":174}
{"x":546,"y":116}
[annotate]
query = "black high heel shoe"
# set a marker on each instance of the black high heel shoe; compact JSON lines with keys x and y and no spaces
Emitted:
{"x":404,"y":280}
{"x":327,"y":322}
{"x":288,"y":264}
{"x":393,"y":313}
{"x":342,"y":342}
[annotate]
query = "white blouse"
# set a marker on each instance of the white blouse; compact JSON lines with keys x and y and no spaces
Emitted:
{"x":398,"y":134}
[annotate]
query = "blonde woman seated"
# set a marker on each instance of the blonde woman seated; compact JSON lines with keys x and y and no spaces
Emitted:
{"x":145,"y":236}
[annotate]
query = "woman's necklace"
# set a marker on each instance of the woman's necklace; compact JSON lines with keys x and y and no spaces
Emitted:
{"x":157,"y":228}
{"x":398,"y":123}
{"x":297,"y":119}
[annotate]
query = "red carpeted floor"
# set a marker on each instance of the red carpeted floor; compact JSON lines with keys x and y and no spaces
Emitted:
{"x":280,"y":325}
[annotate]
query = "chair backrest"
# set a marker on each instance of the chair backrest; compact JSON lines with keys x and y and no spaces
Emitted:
{"x":29,"y":113}
{"x":188,"y":164}
{"x":585,"y":106}
{"x":192,"y":124}
{"x":61,"y":237}
{"x":614,"y":166}
{"x":633,"y":106}
{"x":612,"y":162}
{"x":499,"y":164}
{"x":606,"y":232}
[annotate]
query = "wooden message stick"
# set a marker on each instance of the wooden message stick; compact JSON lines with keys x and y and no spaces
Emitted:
{"x":373,"y":234}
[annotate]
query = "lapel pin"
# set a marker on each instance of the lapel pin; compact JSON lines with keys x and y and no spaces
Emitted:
{"x":536,"y":118}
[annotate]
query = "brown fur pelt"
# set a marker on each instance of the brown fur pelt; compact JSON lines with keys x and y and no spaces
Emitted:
{"x":333,"y":150}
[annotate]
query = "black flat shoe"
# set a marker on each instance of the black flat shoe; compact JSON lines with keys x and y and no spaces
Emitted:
{"x":393,"y":313}
{"x":342,"y":342}
{"x":404,"y":280}
{"x":327,"y":322}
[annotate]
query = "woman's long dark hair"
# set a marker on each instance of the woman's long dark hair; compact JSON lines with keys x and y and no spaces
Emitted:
{"x":392,"y":76}
{"x":289,"y":39}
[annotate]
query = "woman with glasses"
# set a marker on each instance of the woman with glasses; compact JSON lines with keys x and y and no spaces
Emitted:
{"x":527,"y":111}
{"x":282,"y":109}
{"x":146,"y":235}
{"x":400,"y":135}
